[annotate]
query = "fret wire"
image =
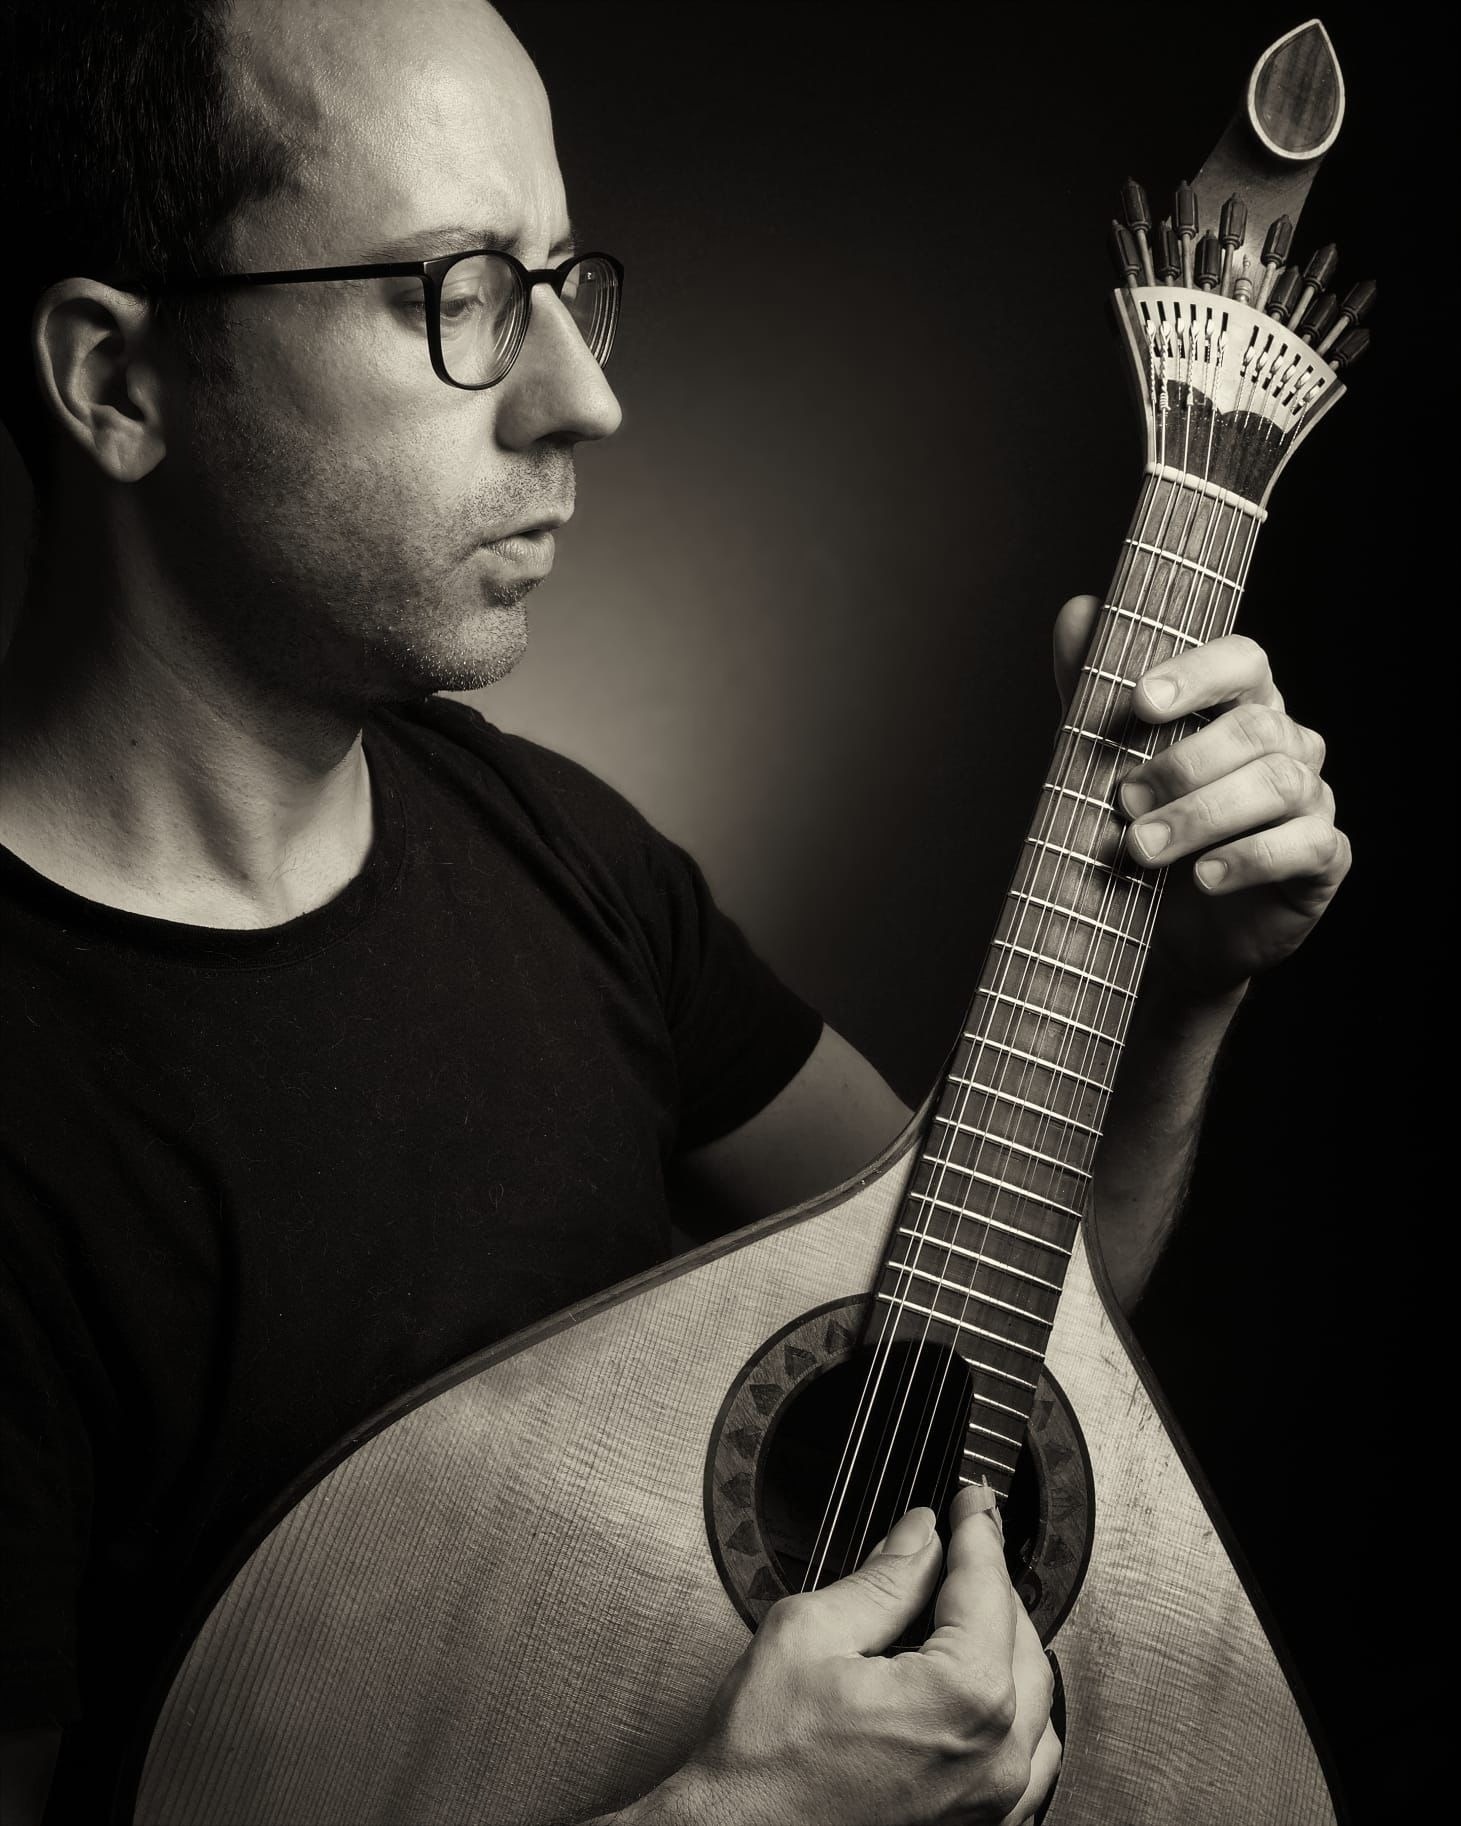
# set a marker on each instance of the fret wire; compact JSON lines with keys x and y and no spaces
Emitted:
{"x":983,"y":1483}
{"x":1086,"y":919}
{"x":970,"y":1293}
{"x":929,"y":1312}
{"x":973,"y":1255}
{"x":984,"y":1459}
{"x":1088,"y":711}
{"x":1189,"y":564}
{"x":1025,"y":1103}
{"x":973,"y":1426}
{"x":1057,"y":963}
{"x":998,"y":995}
{"x":1095,"y":862}
{"x":1004,"y":1375}
{"x":1070,"y":793}
{"x":1105,"y":741}
{"x":1004,"y":1407}
{"x":1188,"y":640}
{"x":988,"y":1179}
{"x":1000,"y":1141}
{"x":1115,"y":677}
{"x":1065,"y":1071}
{"x":978,"y":1217}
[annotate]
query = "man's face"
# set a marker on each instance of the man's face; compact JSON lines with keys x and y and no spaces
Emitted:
{"x":331,"y":503}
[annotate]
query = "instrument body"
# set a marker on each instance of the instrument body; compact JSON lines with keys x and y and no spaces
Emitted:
{"x":504,"y":1605}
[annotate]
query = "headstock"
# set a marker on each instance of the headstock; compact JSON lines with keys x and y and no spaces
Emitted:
{"x":1236,"y":350}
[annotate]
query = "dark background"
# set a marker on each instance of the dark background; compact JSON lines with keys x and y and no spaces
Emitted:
{"x":877,"y":429}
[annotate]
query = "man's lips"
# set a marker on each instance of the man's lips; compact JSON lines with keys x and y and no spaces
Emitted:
{"x":542,"y":523}
{"x":528,"y":552}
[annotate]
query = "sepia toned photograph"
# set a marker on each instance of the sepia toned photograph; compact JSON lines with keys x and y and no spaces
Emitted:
{"x":712,"y":782}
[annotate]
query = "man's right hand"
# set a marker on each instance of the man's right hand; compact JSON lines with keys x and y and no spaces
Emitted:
{"x":816,"y":1726}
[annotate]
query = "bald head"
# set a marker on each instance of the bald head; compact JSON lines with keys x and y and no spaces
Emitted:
{"x":398,"y":119}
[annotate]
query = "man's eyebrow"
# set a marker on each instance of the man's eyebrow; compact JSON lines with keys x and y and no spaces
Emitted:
{"x":457,"y":239}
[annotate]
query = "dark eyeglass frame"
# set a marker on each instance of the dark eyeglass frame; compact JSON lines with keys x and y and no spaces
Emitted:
{"x":432,"y":274}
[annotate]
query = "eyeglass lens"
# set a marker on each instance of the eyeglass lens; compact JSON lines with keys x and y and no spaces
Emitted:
{"x":484,"y":311}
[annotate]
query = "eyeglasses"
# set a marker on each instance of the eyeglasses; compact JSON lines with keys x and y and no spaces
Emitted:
{"x":477,"y":305}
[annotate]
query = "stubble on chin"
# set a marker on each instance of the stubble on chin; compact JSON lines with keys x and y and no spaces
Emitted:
{"x":482,"y":654}
{"x":331,"y":576}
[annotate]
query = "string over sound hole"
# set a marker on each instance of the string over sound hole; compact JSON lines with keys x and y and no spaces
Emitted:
{"x":779,"y":1455}
{"x":855,"y":1448}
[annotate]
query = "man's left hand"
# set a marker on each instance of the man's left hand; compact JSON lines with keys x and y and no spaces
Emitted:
{"x":1243,"y":797}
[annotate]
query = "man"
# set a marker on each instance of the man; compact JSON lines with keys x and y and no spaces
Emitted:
{"x":358,"y":1034}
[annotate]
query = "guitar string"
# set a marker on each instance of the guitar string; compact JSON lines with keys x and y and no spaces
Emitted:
{"x":1119,"y":663}
{"x":1098,"y":1020}
{"x":1082,"y":701}
{"x":1106,"y":996}
{"x":1227,"y":583}
{"x":923,"y":1232}
{"x":1195,"y":613}
{"x":1215,"y":579}
{"x":904,"y":1274}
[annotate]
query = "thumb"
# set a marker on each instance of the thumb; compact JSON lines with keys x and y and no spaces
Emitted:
{"x":1072,"y":636}
{"x":870,"y":1608}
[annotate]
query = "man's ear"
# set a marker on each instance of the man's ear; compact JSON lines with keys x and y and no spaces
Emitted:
{"x":95,"y":362}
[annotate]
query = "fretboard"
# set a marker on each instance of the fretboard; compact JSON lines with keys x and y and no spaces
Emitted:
{"x":992,"y":1212}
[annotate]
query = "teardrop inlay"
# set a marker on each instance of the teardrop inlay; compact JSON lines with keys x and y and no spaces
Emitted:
{"x":1296,"y":94}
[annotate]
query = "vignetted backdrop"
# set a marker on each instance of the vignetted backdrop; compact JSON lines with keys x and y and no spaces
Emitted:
{"x":876,"y":429}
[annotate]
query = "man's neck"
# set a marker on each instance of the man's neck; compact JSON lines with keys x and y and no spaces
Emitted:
{"x":141,"y":767}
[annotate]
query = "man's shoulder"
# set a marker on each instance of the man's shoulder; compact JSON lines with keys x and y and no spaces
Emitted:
{"x":564,"y":799}
{"x":441,"y":723}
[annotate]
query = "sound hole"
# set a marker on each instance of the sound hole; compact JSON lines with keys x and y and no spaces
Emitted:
{"x":907,"y":1448}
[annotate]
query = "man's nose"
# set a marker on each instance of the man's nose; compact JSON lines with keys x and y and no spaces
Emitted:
{"x":555,"y":387}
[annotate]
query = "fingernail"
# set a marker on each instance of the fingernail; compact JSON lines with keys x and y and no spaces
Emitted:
{"x":1151,"y":838}
{"x":988,"y":1504}
{"x":981,"y":1498}
{"x":914,"y":1531}
{"x":1210,"y":871}
{"x":1160,"y":692}
{"x":1137,"y":798}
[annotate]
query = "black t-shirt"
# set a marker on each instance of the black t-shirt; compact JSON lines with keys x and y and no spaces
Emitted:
{"x":255,"y":1184}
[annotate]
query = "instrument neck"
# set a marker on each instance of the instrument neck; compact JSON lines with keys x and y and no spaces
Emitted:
{"x":992,"y":1211}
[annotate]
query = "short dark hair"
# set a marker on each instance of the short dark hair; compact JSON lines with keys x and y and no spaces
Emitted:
{"x":126,"y":148}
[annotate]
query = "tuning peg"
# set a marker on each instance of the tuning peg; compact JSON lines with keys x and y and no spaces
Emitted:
{"x":1319,"y":316}
{"x":1209,"y":262}
{"x":1232,"y":226}
{"x":1276,"y":246}
{"x":1317,"y":274}
{"x":1128,"y":260}
{"x":1137,"y":212}
{"x":1357,"y":302}
{"x":1167,"y":257}
{"x":1284,"y":291}
{"x":1186,"y":227}
{"x":1348,"y":351}
{"x":1243,"y":284}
